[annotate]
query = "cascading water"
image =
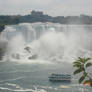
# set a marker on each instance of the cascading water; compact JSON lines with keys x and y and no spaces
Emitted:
{"x":48,"y":42}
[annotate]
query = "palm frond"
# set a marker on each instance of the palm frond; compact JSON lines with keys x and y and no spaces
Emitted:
{"x":79,"y":70}
{"x":88,"y":64}
{"x":82,"y":78}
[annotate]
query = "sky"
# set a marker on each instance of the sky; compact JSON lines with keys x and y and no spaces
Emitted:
{"x":51,"y":7}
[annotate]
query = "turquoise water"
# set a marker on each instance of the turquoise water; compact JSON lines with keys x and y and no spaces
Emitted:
{"x":16,"y":77}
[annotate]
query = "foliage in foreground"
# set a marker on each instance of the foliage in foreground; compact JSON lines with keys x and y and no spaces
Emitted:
{"x":82,"y":64}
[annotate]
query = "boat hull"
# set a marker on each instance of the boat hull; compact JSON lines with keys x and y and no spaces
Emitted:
{"x":59,"y":80}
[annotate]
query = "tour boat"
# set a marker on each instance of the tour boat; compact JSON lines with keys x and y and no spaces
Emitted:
{"x":60,"y":77}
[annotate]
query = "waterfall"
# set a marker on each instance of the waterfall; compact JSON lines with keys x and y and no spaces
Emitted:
{"x":47,"y":41}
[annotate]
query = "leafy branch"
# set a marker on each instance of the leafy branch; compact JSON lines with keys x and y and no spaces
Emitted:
{"x":82,"y":64}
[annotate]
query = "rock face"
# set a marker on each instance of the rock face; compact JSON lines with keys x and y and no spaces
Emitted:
{"x":2,"y":27}
{"x":3,"y":44}
{"x":3,"y":48}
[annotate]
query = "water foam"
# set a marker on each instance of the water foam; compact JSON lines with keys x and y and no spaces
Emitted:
{"x":47,"y":42}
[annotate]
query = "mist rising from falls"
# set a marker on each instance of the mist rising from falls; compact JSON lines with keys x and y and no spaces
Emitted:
{"x":47,"y":42}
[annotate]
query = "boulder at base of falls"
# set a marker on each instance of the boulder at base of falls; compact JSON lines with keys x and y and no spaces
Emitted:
{"x":33,"y":57}
{"x":16,"y":56}
{"x":28,"y":49}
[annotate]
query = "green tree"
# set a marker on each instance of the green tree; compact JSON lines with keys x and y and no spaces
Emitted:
{"x":82,"y":64}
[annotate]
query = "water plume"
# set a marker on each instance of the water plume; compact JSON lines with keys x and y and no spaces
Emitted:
{"x":48,"y":42}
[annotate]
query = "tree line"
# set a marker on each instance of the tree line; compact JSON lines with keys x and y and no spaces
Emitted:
{"x":38,"y":16}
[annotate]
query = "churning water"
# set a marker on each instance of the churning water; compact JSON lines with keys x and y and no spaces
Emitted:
{"x":34,"y":51}
{"x":51,"y":42}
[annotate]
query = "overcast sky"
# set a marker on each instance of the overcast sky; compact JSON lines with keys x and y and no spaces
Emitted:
{"x":51,"y":7}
